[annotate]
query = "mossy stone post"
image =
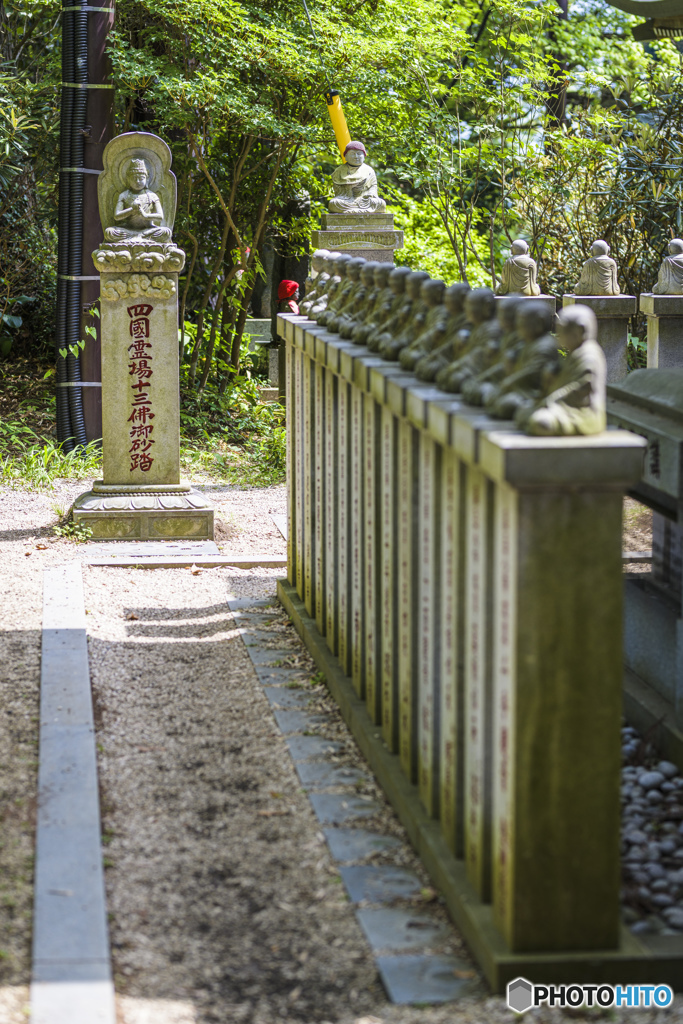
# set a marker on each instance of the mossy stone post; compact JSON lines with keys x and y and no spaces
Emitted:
{"x":141,"y":494}
{"x":613,"y":313}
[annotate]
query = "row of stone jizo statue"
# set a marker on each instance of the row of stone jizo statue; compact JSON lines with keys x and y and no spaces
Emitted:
{"x":498,"y":353}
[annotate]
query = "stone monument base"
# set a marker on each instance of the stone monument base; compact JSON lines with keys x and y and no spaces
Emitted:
{"x":144,"y":514}
{"x":370,"y":235}
{"x":664,"y":329}
{"x":613,"y":313}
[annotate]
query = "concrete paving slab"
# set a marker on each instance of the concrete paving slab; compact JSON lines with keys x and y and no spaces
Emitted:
{"x":282,"y":697}
{"x":71,"y":965}
{"x":298,"y":721}
{"x":337,"y":808}
{"x":379,"y":883}
{"x":311,"y":748}
{"x":356,"y":843}
{"x":390,"y":928}
{"x":148,"y":548}
{"x":320,"y":775}
{"x":427,"y":979}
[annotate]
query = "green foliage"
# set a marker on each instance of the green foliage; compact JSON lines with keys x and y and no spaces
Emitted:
{"x":73,"y":531}
{"x":36,"y":464}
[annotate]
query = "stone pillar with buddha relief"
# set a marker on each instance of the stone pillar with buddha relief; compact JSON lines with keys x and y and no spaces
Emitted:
{"x":141,"y":495}
{"x":358,"y":222}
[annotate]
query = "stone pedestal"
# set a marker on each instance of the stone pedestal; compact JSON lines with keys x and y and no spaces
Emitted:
{"x":613,"y":313}
{"x":664,"y":329}
{"x":371,"y":235}
{"x":141,"y":495}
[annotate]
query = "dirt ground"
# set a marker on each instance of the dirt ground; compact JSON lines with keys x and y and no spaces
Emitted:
{"x":224,"y":903}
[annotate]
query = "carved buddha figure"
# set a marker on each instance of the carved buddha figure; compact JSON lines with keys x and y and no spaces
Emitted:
{"x":390,"y":314}
{"x":482,"y":345}
{"x":378,"y":304}
{"x":335,"y":284}
{"x":519,"y":272}
{"x":536,"y":366}
{"x":362,"y":302}
{"x":413,"y":321}
{"x":432,"y":333}
{"x":312,"y":281}
{"x":319,"y":300}
{"x":138,"y":212}
{"x":456,"y":333}
{"x":599,"y":274}
{"x":576,"y":403}
{"x":670,"y":280}
{"x":355,"y":184}
{"x":478,"y":389}
{"x":346,"y":294}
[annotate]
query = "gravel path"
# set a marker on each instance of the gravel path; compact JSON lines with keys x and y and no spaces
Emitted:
{"x":225,"y":905}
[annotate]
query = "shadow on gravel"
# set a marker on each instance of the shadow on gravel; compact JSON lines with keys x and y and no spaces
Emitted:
{"x":219,"y":886}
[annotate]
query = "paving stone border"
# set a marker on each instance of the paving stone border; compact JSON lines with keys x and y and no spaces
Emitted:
{"x":72,"y":982}
{"x":400,"y":939}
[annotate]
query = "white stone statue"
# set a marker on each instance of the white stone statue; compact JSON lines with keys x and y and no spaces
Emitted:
{"x":599,"y":274}
{"x":355,"y":184}
{"x":670,"y":280}
{"x":137,"y":199}
{"x":519,"y":272}
{"x":138,"y":213}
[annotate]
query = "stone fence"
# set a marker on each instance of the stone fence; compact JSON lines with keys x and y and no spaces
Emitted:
{"x":460,"y":584}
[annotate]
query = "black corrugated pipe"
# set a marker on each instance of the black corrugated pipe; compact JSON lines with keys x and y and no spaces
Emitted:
{"x":75,"y":258}
{"x":63,"y":414}
{"x":70,"y":422}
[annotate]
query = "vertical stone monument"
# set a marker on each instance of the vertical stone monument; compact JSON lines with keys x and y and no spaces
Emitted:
{"x":599,"y":290}
{"x":141,"y":495}
{"x":663,"y":307}
{"x":358,"y":222}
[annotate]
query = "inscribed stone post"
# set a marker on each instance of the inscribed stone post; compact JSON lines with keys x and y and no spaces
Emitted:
{"x":141,"y":494}
{"x":557,"y":681}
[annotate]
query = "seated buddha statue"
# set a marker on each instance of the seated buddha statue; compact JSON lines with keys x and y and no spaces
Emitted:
{"x":482,"y":344}
{"x":456,"y":332}
{"x":670,"y":280}
{"x":477,"y":389}
{"x":599,"y":273}
{"x":413,"y":322}
{"x":519,"y":272}
{"x":432,"y":333}
{"x":355,"y":184}
{"x":576,"y":403}
{"x":138,"y":212}
{"x":393,"y":311}
{"x":535,"y":368}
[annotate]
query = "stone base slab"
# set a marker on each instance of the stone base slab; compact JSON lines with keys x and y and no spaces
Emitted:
{"x":145,"y":516}
{"x":357,"y":238}
{"x":661,"y":305}
{"x":604,"y":305}
{"x":356,"y":221}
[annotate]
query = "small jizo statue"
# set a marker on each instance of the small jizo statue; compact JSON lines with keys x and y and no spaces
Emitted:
{"x":456,"y":334}
{"x":599,"y":274}
{"x":318,"y":301}
{"x":536,"y":367}
{"x":415,"y":311}
{"x":354,"y":309}
{"x":376,"y":276}
{"x":670,"y":280}
{"x":345,"y":296}
{"x":317,"y":264}
{"x":576,"y":404}
{"x":434,"y":328}
{"x":355,"y":184}
{"x":482,"y":345}
{"x":391,"y":313}
{"x":333,"y":291}
{"x":478,"y":389}
{"x":378,"y":305}
{"x":138,"y":212}
{"x":519,"y":272}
